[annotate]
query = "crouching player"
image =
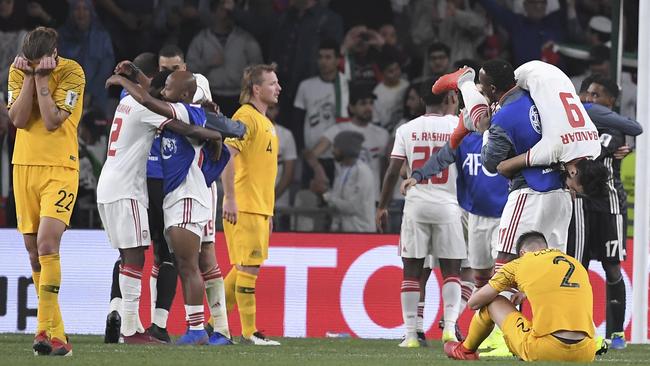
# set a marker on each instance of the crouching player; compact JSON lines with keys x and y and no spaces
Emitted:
{"x":561,"y":298}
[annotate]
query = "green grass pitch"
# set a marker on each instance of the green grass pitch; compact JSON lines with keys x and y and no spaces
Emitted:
{"x":89,"y":350}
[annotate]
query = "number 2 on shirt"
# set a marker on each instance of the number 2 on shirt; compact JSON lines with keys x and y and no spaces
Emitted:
{"x":440,"y":178}
{"x":114,"y":135}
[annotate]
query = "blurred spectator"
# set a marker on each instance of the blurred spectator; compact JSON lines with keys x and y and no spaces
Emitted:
{"x":437,"y":62}
{"x":47,"y":13}
{"x":177,"y":21}
{"x":372,"y":13}
{"x":295,"y":45}
{"x":129,"y":24}
{"x":258,"y":17}
{"x":84,"y":40}
{"x":287,"y":157}
{"x":599,"y":64}
{"x":12,"y":33}
{"x":390,"y":92}
{"x":529,"y":33}
{"x":375,"y":141}
{"x":320,"y":102}
{"x":389,"y":34}
{"x":360,"y":49}
{"x":413,"y":106}
{"x":352,"y":195}
{"x":7,"y":133}
{"x":221,"y":52}
{"x":462,"y":29}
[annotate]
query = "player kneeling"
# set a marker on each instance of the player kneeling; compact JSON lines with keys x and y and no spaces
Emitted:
{"x":561,"y":299}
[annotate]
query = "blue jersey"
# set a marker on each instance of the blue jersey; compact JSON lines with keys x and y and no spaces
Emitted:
{"x":177,"y":151}
{"x":519,"y":119}
{"x":212,"y":169}
{"x":479,"y":192}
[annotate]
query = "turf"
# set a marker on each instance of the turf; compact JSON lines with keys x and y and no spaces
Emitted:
{"x":89,"y":350}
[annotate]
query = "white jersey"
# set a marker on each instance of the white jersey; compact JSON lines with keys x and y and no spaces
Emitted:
{"x":415,"y":142}
{"x":124,"y":175}
{"x":322,"y":103}
{"x":567,"y":131}
{"x":286,"y":153}
{"x":373,"y":149}
{"x":389,"y":105}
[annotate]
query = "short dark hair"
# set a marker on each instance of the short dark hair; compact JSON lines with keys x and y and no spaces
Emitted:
{"x":427,"y":96}
{"x":529,"y":237}
{"x":610,"y":85}
{"x":330,"y":44}
{"x":501,"y":73}
{"x":585,"y":83}
{"x":468,"y":62}
{"x":593,"y":177}
{"x":439,"y":46}
{"x":387,"y":57}
{"x":171,"y":50}
{"x":147,"y":62}
{"x":40,"y":42}
{"x":158,"y":81}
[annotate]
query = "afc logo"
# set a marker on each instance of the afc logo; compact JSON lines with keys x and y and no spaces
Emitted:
{"x":534,"y":119}
{"x":473,"y":163}
{"x":168,"y":147}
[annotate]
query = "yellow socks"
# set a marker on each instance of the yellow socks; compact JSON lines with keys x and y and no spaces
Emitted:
{"x":36,"y":276}
{"x":49,"y":314}
{"x":229,"y":287}
{"x":479,"y":329}
{"x":245,"y":295}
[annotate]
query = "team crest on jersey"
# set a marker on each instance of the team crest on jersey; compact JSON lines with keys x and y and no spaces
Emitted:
{"x":534,"y":119}
{"x":71,"y":98}
{"x":168,"y":148}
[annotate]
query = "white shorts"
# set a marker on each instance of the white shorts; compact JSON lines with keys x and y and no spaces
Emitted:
{"x":208,"y":230}
{"x":126,"y":223}
{"x":529,"y":210}
{"x":188,"y":214}
{"x":419,"y":240}
{"x":482,"y":241}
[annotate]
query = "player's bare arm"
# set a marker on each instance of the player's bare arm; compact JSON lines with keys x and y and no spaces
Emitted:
{"x":53,"y":117}
{"x":228,"y":182}
{"x":128,"y":68}
{"x":390,"y":179}
{"x":197,"y":132}
{"x":482,"y":297}
{"x":311,"y":156}
{"x":509,"y":167}
{"x":22,"y":106}
{"x":142,"y":96}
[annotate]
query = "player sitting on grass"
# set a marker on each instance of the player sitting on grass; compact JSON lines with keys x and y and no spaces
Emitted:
{"x":561,"y":299}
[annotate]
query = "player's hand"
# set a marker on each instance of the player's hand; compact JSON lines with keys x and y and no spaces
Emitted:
{"x":406,"y":185}
{"x":210,"y":106}
{"x":45,"y":66}
{"x":230,"y":210}
{"x":517,"y":298}
{"x":22,"y":64}
{"x":381,"y":219}
{"x":622,"y":152}
{"x":124,"y":68}
{"x":270,"y":224}
{"x":114,"y":80}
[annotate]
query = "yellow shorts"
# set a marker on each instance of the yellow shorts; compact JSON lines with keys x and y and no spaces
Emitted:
{"x":517,"y":331}
{"x":43,"y":191}
{"x":248,"y":240}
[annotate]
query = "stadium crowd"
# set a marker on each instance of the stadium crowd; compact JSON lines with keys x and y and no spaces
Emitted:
{"x":337,"y":62}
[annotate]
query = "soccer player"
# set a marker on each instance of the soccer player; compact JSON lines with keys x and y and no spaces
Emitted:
{"x":248,"y":183}
{"x":147,"y":63}
{"x":121,"y":195}
{"x":45,"y":99}
{"x":558,"y":289}
{"x":431,"y":223}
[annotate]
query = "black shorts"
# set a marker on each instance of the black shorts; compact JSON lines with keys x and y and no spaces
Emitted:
{"x":595,"y":235}
{"x":157,"y":222}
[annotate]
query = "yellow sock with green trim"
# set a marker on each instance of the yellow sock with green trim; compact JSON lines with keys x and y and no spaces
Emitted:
{"x":49,"y":315}
{"x":245,"y":294}
{"x":479,"y":328}
{"x":229,"y":287}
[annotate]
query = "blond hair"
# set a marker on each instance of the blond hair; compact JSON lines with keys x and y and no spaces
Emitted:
{"x":253,"y":75}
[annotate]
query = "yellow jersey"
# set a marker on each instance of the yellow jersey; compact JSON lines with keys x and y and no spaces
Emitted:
{"x":35,"y":145}
{"x":558,"y":289}
{"x":256,"y":165}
